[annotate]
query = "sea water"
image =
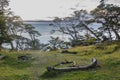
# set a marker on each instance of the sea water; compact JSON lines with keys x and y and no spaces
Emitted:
{"x":44,"y":28}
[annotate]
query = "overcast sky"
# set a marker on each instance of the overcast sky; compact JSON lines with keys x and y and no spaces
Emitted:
{"x":44,"y":9}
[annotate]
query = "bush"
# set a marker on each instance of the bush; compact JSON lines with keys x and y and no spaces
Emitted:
{"x":76,"y":42}
{"x":90,"y":41}
{"x":100,"y":46}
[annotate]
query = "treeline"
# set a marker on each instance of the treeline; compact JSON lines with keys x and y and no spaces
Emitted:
{"x":14,"y":32}
{"x":85,"y":28}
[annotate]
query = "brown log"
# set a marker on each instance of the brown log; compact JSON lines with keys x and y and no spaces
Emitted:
{"x":92,"y":65}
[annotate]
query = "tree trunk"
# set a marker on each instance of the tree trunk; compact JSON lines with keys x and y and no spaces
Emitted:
{"x":0,"y":47}
{"x":110,"y":35}
{"x":116,"y":34}
{"x":12,"y":47}
{"x":91,"y":31}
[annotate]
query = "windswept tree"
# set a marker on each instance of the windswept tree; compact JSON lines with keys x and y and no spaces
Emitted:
{"x":77,"y":26}
{"x":13,"y":30}
{"x":102,"y":3}
{"x":67,"y":26}
{"x":109,"y":16}
{"x":33,"y":34}
{"x":56,"y":43}
{"x":4,"y":36}
{"x":84,"y":20}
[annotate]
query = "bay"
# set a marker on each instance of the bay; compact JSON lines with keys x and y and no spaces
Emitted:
{"x":45,"y":28}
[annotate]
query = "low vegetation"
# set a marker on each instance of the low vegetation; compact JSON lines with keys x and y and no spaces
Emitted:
{"x":100,"y":43}
{"x":107,"y":54}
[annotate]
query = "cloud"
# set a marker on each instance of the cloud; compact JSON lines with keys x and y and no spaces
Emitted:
{"x":116,"y":2}
{"x":42,"y":9}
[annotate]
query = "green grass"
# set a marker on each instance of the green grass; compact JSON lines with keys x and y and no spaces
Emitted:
{"x":107,"y":54}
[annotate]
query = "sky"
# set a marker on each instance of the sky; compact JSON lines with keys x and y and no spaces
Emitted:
{"x":47,"y":9}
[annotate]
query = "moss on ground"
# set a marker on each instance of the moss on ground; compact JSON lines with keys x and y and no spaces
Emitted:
{"x":107,"y":54}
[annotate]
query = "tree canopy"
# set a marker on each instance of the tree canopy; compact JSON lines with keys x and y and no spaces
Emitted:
{"x":13,"y":29}
{"x":106,"y":16}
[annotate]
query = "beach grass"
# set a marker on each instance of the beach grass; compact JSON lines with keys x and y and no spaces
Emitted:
{"x":107,"y":54}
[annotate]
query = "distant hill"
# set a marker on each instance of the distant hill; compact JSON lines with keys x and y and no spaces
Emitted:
{"x":37,"y":20}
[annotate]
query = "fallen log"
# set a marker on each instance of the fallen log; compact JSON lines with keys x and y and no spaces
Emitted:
{"x":2,"y":57}
{"x":92,"y":65}
{"x":68,"y":52}
{"x":62,"y":63}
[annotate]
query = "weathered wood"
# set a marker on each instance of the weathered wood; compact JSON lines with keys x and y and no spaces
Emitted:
{"x":68,"y":52}
{"x":92,"y":65}
{"x":2,"y":57}
{"x":67,"y":62}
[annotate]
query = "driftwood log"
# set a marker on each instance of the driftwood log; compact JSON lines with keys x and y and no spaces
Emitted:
{"x":92,"y":65}
{"x":68,"y":52}
{"x":2,"y":57}
{"x":62,"y":63}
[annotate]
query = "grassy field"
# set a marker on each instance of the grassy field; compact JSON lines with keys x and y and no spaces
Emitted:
{"x":107,"y":54}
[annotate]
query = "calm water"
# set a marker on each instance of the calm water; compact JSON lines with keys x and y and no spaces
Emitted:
{"x":44,"y":28}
